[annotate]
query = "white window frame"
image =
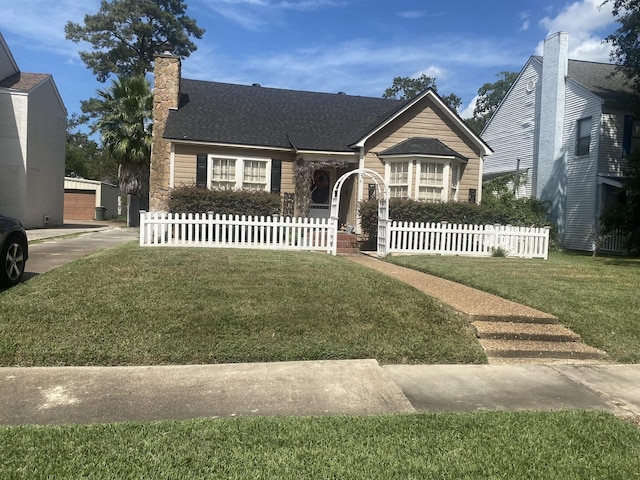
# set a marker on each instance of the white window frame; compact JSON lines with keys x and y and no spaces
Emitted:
{"x":451,"y":174}
{"x":387,"y":174}
{"x":580,"y":140}
{"x":239,"y":182}
{"x":443,"y":184}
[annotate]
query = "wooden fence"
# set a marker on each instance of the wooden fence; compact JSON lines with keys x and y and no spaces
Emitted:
{"x":614,"y":242}
{"x":472,"y":240}
{"x":222,"y":231}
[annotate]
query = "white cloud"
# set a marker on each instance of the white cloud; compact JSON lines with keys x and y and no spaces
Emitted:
{"x":467,"y":112}
{"x":587,"y":23}
{"x":42,"y":24}
{"x":411,"y":14}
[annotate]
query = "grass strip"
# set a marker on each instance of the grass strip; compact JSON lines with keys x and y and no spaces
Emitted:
{"x":488,"y":445}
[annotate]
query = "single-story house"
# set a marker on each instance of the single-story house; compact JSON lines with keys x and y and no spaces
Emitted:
{"x":33,"y":122}
{"x":298,"y":144}
{"x":565,"y":128}
{"x":88,"y":199}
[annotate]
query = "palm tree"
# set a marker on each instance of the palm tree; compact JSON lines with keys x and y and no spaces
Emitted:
{"x":124,"y":121}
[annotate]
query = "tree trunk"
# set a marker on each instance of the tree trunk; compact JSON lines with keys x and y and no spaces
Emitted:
{"x":134,"y":180}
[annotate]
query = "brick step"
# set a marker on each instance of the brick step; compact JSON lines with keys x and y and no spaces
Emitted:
{"x":539,"y":349}
{"x":542,"y":318}
{"x":544,"y":361}
{"x":525,"y":331}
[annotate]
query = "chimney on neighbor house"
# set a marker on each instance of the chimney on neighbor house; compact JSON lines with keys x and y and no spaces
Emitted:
{"x":555,"y":64}
{"x":166,"y":96}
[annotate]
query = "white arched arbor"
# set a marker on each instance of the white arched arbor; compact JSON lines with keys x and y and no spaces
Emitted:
{"x":382,"y":194}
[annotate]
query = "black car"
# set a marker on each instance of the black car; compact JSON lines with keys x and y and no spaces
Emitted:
{"x":14,"y":251}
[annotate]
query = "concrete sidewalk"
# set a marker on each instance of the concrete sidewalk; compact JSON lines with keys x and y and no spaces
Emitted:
{"x":60,"y":395}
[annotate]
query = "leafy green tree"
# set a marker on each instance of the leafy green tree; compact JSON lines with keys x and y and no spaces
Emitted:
{"x":625,"y":40}
{"x":489,"y":97}
{"x":406,"y":88}
{"x":125,"y":34}
{"x":85,"y":158}
{"x":625,"y":43}
{"x":124,"y":123}
{"x":626,"y":214}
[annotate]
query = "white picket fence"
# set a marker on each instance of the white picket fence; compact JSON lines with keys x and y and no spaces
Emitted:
{"x":472,"y":240}
{"x":222,"y":231}
{"x":286,"y":233}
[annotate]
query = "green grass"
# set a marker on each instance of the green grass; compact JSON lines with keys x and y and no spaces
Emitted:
{"x":560,"y":445}
{"x":140,"y":306}
{"x":598,"y":298}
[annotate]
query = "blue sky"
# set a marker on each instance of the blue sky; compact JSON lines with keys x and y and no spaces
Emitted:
{"x":352,"y":46}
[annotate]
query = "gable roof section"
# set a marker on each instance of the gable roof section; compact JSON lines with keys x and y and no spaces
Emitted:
{"x":601,"y":79}
{"x":8,"y":65}
{"x":464,"y":129}
{"x":422,"y":146}
{"x":231,"y":114}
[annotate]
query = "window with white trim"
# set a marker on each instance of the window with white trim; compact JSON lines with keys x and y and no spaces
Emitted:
{"x":583,"y":136}
{"x":223,"y":173}
{"x":431,"y":184}
{"x":254,"y":175}
{"x":455,"y":182}
{"x":239,"y":173}
{"x":425,"y":179}
{"x":399,"y":179}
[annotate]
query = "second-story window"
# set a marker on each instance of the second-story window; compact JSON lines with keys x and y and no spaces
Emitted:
{"x":583,"y":137}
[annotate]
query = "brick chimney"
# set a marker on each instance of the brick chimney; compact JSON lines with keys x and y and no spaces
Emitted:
{"x":166,"y":96}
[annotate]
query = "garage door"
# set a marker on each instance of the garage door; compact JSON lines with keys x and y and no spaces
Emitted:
{"x":79,"y":205}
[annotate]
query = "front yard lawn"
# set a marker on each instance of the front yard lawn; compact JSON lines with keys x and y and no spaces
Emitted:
{"x":141,"y":306}
{"x":486,"y":445}
{"x":598,"y":298}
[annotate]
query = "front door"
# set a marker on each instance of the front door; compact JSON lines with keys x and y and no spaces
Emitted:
{"x":321,"y":183}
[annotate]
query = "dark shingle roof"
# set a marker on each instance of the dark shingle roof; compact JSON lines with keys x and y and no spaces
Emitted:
{"x":422,"y":146}
{"x":601,"y":79}
{"x":269,"y":117}
{"x":23,"y":81}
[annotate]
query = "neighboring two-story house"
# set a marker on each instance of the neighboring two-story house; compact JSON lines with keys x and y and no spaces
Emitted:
{"x":297,"y":144}
{"x":565,"y":127}
{"x":33,"y":122}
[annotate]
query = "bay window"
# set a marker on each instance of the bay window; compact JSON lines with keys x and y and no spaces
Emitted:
{"x":430,"y":179}
{"x":399,"y":179}
{"x":426,"y":179}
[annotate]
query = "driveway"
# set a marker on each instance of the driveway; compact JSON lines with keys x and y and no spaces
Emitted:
{"x":57,"y":250}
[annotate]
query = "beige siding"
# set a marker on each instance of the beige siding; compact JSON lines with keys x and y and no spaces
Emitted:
{"x":184,"y":169}
{"x":425,"y":121}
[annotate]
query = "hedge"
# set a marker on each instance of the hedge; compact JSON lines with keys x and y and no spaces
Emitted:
{"x":521,"y":212}
{"x":192,"y":199}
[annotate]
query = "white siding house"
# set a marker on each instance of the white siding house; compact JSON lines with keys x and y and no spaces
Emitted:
{"x":32,"y":141}
{"x":564,"y":123}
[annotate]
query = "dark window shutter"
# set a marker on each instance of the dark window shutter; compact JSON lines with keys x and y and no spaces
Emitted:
{"x":628,"y":134}
{"x":276,"y":175}
{"x":201,"y":171}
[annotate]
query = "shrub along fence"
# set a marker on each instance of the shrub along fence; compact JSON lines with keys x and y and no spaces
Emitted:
{"x":235,"y":231}
{"x":472,"y":240}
